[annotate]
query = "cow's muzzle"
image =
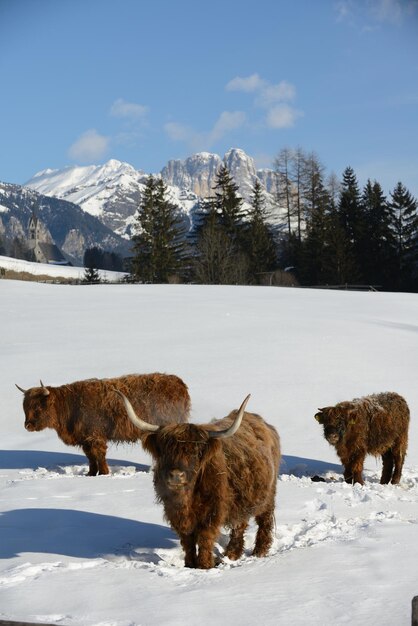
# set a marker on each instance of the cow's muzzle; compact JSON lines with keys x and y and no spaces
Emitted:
{"x":332,"y":435}
{"x":333,"y":438}
{"x":176,"y":479}
{"x":30,"y":426}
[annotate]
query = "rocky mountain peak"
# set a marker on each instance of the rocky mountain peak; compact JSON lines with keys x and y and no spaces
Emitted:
{"x":196,"y":173}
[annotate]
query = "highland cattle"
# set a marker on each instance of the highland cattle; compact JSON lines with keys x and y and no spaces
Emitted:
{"x":376,"y":424}
{"x":87,"y":413}
{"x":212,"y":476}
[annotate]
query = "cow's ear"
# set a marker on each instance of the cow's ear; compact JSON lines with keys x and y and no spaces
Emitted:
{"x":321,"y":414}
{"x":150,"y":443}
{"x":210,"y":448}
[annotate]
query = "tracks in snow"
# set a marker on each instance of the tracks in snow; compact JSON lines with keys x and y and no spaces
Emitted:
{"x":319,"y":516}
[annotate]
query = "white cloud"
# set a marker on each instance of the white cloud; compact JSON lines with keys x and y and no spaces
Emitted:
{"x":273,"y":97}
{"x":282,"y":116}
{"x":89,"y":147}
{"x":342,"y":9}
{"x":380,"y":11}
{"x":226,"y":122}
{"x":267,"y":93}
{"x":121,"y":108}
{"x":248,"y":84}
{"x":271,"y":94}
{"x":393,"y":11}
{"x":179,"y":132}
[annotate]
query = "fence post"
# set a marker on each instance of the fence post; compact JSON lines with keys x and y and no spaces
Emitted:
{"x":414,"y":611}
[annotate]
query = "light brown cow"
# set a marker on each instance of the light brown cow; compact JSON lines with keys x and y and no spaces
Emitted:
{"x":88,"y":414}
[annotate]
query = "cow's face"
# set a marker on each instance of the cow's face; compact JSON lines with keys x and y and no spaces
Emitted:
{"x":335,"y":420}
{"x":181,"y":451}
{"x":39,"y":408}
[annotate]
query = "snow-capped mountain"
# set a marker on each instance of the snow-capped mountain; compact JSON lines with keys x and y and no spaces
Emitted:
{"x":112,"y":192}
{"x":63,"y":222}
{"x":196,"y":173}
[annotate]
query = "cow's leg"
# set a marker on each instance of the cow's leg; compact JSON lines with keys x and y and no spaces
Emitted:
{"x":399,"y":451}
{"x":100,"y":448}
{"x":264,"y":536}
{"x":93,"y":466}
{"x":235,"y":546}
{"x":348,"y":474}
{"x":188,"y":543}
{"x":353,"y":469}
{"x":206,"y":541}
{"x":95,"y":451}
{"x":357,"y":468}
{"x":387,"y":469}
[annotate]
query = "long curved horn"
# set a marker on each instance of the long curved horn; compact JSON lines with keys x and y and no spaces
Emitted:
{"x":21,"y":389}
{"x":223,"y":434}
{"x":136,"y":421}
{"x":46,"y":391}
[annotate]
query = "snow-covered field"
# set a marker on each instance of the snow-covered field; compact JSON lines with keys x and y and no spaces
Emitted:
{"x":96,"y":551}
{"x":54,"y":271}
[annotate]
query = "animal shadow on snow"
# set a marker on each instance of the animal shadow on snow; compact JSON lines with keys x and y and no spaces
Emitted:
{"x":33,"y":459}
{"x":300,"y":467}
{"x":78,"y":534}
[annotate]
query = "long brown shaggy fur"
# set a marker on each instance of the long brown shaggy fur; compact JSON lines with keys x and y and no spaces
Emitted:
{"x":89,"y":413}
{"x":205,"y":484}
{"x":376,"y":424}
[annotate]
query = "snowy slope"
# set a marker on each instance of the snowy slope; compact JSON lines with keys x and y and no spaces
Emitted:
{"x":79,"y":183}
{"x":54,"y":271}
{"x":97,"y":551}
{"x":110,"y":192}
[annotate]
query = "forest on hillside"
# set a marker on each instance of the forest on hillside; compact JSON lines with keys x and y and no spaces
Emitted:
{"x":334,"y":233}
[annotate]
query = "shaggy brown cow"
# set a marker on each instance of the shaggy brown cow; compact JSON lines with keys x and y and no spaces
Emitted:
{"x":88,"y":414}
{"x":376,"y":424}
{"x":215,"y":475}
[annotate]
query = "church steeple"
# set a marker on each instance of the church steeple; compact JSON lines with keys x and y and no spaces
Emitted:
{"x":33,"y":228}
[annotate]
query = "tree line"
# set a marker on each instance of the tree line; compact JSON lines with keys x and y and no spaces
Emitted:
{"x":226,"y":244}
{"x":332,"y":232}
{"x":345,"y":234}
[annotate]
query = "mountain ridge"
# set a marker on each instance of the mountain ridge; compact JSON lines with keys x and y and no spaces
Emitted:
{"x":112,"y":191}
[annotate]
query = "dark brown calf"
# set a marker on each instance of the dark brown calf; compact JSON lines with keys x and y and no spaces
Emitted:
{"x":215,"y":475}
{"x":376,"y":424}
{"x":88,"y":414}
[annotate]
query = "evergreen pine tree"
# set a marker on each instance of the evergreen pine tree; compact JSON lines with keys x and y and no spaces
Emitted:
{"x":338,"y":260}
{"x":91,"y":275}
{"x":379,"y":243}
{"x":352,"y":221}
{"x":219,"y":235}
{"x":229,"y":204}
{"x":405,"y":227}
{"x":159,"y":242}
{"x":316,"y":245}
{"x":260,"y":245}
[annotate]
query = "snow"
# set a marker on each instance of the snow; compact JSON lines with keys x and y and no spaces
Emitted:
{"x":54,"y":271}
{"x":97,"y":551}
{"x":87,"y":186}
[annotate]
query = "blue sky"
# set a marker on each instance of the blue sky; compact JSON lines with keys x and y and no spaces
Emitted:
{"x":83,"y":81}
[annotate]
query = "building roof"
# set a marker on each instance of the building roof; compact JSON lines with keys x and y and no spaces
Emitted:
{"x":52,"y":253}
